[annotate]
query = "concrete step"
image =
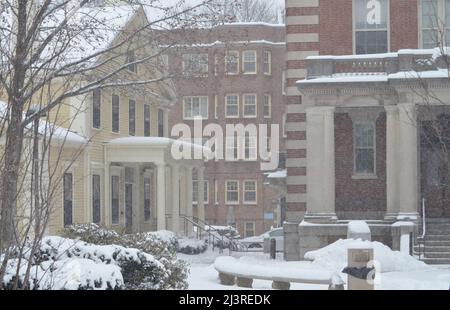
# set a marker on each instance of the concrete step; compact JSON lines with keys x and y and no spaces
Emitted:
{"x":436,"y":237}
{"x":437,"y":243}
{"x":436,"y":261}
{"x":437,"y":231}
{"x":437,"y":255}
{"x":434,"y":248}
{"x":438,"y":220}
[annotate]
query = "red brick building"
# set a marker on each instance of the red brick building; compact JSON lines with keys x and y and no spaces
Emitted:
{"x":236,"y":77}
{"x":339,"y":138}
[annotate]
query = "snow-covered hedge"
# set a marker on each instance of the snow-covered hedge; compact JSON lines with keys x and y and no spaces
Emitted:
{"x":191,"y":246}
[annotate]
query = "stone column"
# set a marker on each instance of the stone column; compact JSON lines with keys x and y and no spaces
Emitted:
{"x":189,"y":211}
{"x":320,"y":165}
{"x":408,"y":162}
{"x":392,"y":124}
{"x":161,"y":196}
{"x":201,"y":191}
{"x":175,"y":198}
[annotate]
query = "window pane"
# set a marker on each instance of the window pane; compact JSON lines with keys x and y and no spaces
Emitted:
{"x":96,"y":196}
{"x":115,"y":113}
{"x":160,"y":123}
{"x":430,"y":13}
{"x":232,"y":106}
{"x":371,"y":42}
{"x":364,"y":161}
{"x":115,"y":199}
{"x":267,"y":106}
{"x":249,"y":105}
{"x":147,"y":120}
{"x":249,"y":61}
{"x":147,"y":201}
{"x":96,"y":112}
{"x":232,"y":62}
{"x":132,"y":117}
{"x":430,"y":38}
{"x":68,"y":199}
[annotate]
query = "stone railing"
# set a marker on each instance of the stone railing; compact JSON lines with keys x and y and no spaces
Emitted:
{"x":377,"y":64}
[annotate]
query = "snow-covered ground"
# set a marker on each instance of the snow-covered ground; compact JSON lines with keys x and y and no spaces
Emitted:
{"x":203,"y":276}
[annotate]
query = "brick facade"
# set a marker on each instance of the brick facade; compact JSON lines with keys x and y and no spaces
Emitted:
{"x":239,"y":37}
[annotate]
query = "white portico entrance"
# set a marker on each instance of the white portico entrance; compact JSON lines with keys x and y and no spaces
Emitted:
{"x":146,"y":189}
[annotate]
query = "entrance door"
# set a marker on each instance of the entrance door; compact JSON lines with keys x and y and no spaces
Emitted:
{"x":129,"y":207}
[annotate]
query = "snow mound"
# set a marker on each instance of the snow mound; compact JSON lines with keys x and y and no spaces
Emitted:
{"x":334,"y":256}
{"x":358,"y":227}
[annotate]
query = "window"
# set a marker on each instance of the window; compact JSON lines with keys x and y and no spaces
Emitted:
{"x":131,"y":57}
{"x":161,"y":123}
{"x":96,"y":199}
{"x":371,"y":26}
{"x":115,"y":113}
{"x":132,"y":117}
{"x":249,"y":62}
{"x":231,"y":147}
{"x":115,"y":199}
{"x":216,"y":65}
{"x":249,"y":229}
{"x":195,"y":64}
{"x":196,"y":107}
{"x":68,"y":199}
{"x":147,"y":117}
{"x":250,"y":191}
{"x":232,"y":192}
{"x":435,"y":23}
{"x":250,"y":105}
{"x":195,"y":191}
{"x":267,"y":106}
{"x":147,"y":199}
{"x":267,"y":62}
{"x":250,"y":147}
{"x":163,"y":63}
{"x":232,"y":62}
{"x":232,"y":105}
{"x":364,"y":140}
{"x":96,"y":108}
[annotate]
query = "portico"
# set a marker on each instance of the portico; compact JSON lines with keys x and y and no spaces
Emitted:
{"x":147,"y":189}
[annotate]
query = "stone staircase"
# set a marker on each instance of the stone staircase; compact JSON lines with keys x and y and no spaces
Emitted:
{"x":436,"y":245}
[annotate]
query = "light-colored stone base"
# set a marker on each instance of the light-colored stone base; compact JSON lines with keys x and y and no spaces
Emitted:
{"x":291,"y":242}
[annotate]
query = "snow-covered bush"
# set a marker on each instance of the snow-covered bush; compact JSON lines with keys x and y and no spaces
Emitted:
{"x":191,"y":246}
{"x":162,"y":245}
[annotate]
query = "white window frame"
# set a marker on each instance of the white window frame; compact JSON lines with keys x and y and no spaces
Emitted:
{"x":441,"y":21}
{"x":388,"y":29}
{"x":112,"y":115}
{"x":226,"y":193}
{"x":237,"y":57}
{"x":216,"y":107}
{"x":269,"y":105}
{"x":357,"y":174}
{"x":244,"y":62}
{"x":205,"y":191}
{"x":244,"y":191}
{"x":203,"y":68}
{"x":267,"y":62}
{"x":191,"y":99}
{"x":99,"y":111}
{"x":71,"y":172}
{"x":245,"y":104}
{"x":237,"y":106}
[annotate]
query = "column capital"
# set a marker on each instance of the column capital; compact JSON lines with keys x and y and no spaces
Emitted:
{"x":320,"y":110}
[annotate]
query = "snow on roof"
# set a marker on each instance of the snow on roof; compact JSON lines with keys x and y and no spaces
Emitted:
{"x":280,"y":174}
{"x":155,"y":142}
{"x":216,"y":43}
{"x":56,"y":133}
{"x":254,"y":24}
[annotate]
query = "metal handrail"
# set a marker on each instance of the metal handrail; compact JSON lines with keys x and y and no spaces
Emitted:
{"x":421,"y":238}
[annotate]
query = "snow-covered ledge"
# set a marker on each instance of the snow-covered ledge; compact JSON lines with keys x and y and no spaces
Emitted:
{"x":401,"y":236}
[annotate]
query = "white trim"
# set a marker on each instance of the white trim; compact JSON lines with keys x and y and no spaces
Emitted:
{"x":244,"y":105}
{"x":226,"y":106}
{"x":246,"y":202}
{"x":226,"y":193}
{"x":200,"y":109}
{"x":270,"y":105}
{"x":269,"y":73}
{"x":360,"y":175}
{"x":388,"y":26}
{"x":244,"y":62}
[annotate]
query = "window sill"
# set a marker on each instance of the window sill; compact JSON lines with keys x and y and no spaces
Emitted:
{"x":364,"y":177}
{"x":232,"y":203}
